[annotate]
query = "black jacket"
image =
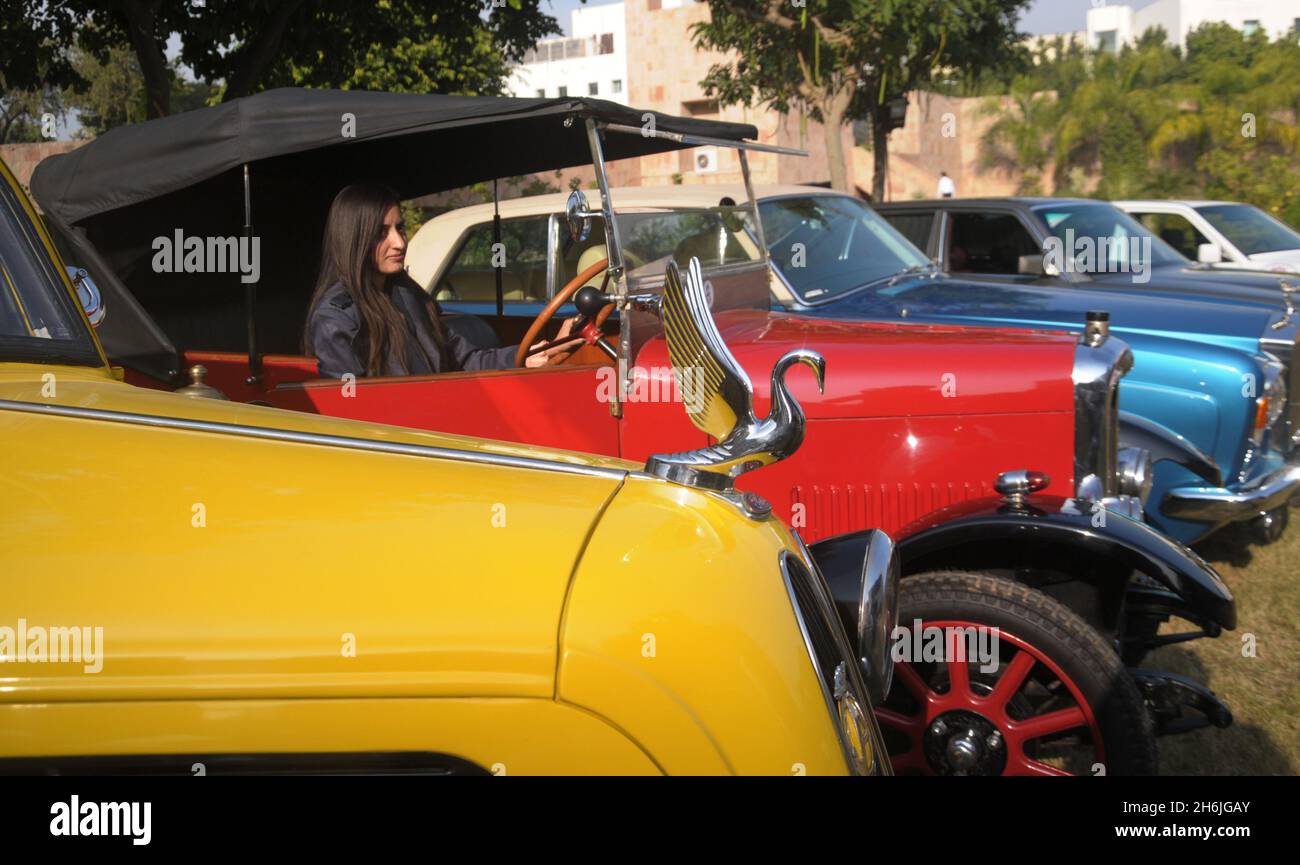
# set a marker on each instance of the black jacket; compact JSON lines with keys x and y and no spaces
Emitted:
{"x":339,"y":339}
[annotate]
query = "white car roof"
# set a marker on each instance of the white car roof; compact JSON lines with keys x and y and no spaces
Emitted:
{"x":1147,"y":202}
{"x":433,"y":242}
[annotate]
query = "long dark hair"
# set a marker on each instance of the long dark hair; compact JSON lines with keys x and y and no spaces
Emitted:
{"x":354,"y":228}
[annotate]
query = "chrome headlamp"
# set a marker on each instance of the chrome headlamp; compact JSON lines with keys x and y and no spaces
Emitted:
{"x":1135,"y":473}
{"x":878,"y":613}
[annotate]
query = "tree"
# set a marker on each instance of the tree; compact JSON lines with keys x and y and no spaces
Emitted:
{"x":113,"y":94}
{"x":1019,"y":139}
{"x":22,"y":113}
{"x":1219,"y":121}
{"x":846,"y":59}
{"x":250,"y":45}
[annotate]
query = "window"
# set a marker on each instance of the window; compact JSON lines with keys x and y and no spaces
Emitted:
{"x":988,"y":243}
{"x":700,"y":108}
{"x":1175,"y":230}
{"x":38,"y":320}
{"x":914,"y":226}
{"x":541,"y":93}
{"x":654,"y":5}
{"x":564,"y":91}
{"x":522,"y":256}
{"x":826,"y":245}
{"x":1101,"y":238}
{"x":1250,"y":26}
{"x":616,"y":85}
{"x":606,"y":43}
{"x":593,"y":89}
{"x":1106,"y":41}
{"x":1250,"y":229}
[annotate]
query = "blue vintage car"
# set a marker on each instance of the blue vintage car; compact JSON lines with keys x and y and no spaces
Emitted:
{"x":1211,"y":392}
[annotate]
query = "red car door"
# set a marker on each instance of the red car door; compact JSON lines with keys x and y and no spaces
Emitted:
{"x":556,"y":406}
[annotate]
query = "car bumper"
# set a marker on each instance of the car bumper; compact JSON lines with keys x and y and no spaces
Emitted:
{"x":1220,"y":505}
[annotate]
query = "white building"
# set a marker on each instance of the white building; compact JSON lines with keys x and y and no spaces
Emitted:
{"x":591,"y":61}
{"x":1110,"y":27}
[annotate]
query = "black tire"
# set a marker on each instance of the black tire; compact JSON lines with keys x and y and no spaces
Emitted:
{"x":1049,"y":630}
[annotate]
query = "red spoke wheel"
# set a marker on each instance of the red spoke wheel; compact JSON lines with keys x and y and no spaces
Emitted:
{"x":1004,"y":680}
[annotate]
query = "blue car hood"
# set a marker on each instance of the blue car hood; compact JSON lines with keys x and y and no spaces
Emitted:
{"x":1201,"y":283}
{"x":958,"y":301}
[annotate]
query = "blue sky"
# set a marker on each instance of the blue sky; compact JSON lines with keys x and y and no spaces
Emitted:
{"x":1043,"y":16}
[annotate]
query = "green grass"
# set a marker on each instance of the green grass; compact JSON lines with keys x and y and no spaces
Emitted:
{"x":1263,"y":691}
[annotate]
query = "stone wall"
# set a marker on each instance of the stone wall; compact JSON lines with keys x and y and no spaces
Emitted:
{"x":942,"y":133}
{"x":22,"y":159}
{"x":664,"y":74}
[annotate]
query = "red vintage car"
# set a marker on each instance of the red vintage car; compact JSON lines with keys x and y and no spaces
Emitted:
{"x":989,"y":455}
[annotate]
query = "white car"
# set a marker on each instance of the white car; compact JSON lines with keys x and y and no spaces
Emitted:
{"x":1221,"y":233}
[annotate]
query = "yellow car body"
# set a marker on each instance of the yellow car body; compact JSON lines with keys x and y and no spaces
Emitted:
{"x":273,"y":587}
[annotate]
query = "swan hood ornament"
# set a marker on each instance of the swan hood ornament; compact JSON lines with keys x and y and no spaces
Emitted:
{"x":719,"y":396}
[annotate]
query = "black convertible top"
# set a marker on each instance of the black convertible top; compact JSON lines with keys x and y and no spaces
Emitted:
{"x":108,"y":200}
{"x":415,"y":143}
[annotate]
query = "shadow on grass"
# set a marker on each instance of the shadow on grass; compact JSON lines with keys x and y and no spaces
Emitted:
{"x":1242,"y":749}
{"x":1231,"y":544}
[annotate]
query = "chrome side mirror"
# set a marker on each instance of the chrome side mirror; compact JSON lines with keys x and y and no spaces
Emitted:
{"x":88,"y":294}
{"x":1031,"y":265}
{"x":732,"y":220}
{"x":1209,"y":253}
{"x":578,"y":215}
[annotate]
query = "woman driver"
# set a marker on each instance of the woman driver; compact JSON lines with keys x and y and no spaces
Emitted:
{"x":368,"y":317}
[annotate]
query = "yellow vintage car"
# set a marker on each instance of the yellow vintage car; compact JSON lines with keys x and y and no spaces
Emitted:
{"x":203,"y":587}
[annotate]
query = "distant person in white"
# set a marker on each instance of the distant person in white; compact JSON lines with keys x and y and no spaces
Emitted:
{"x":947,"y":189}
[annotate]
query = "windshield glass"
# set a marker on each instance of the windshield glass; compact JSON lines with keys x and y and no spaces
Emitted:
{"x":826,"y":245}
{"x":38,"y":321}
{"x":1110,"y":234}
{"x":715,"y":235}
{"x":1250,"y":229}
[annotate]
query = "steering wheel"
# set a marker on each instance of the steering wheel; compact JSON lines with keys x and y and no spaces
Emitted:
{"x":586,"y":327}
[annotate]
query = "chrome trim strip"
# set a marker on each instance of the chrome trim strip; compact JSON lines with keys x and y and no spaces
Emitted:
{"x":1282,"y":346}
{"x":753,"y":206}
{"x":1287,"y":301}
{"x":701,"y":140}
{"x":613,"y":243}
{"x":1096,"y":375}
{"x":552,"y":253}
{"x":295,"y":437}
{"x":831,"y":709}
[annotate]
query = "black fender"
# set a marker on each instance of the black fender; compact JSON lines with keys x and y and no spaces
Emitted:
{"x":1063,"y":530}
{"x":1165,"y":444}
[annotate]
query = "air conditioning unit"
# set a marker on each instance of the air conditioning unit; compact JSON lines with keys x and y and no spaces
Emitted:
{"x":706,"y":160}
